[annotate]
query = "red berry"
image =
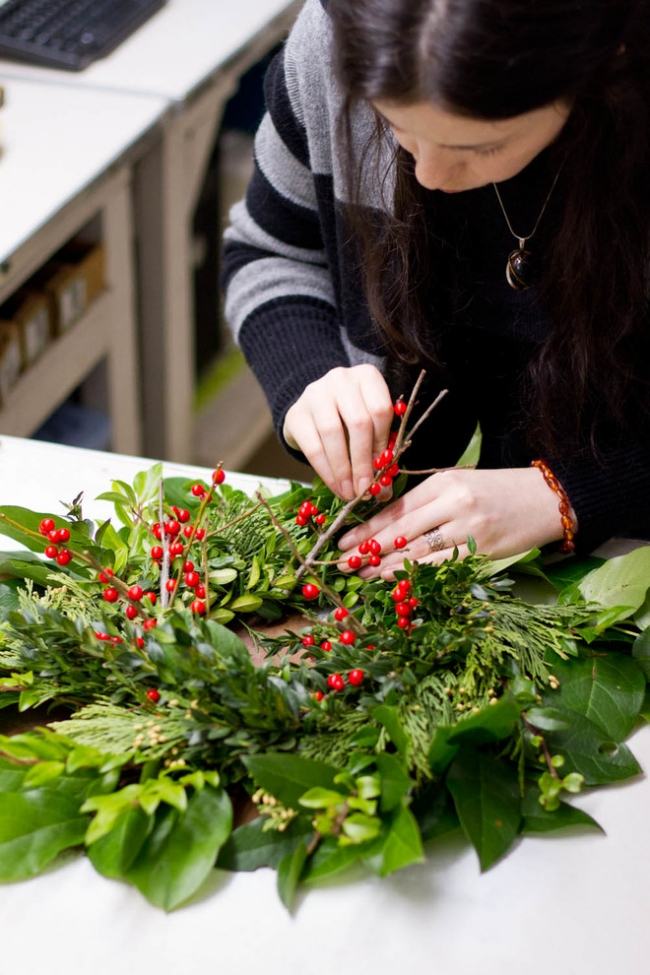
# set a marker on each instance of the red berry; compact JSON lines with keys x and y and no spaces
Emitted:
{"x":149,"y":624}
{"x":310,"y":591}
{"x":374,"y":560}
{"x":152,"y":597}
{"x":393,"y":470}
{"x":348,"y":637}
{"x":172,"y":528}
{"x":110,"y":595}
{"x":399,"y":407}
{"x":305,"y":508}
{"x":385,"y":480}
{"x":63,"y":535}
{"x":156,"y":531}
{"x":200,"y":534}
{"x":47,"y":525}
{"x":101,"y":636}
{"x":170,"y":585}
{"x":131,"y":612}
{"x":413,"y":602}
{"x":187,"y":531}
{"x":105,"y":575}
{"x":198,"y":606}
{"x":139,"y":642}
{"x":188,"y":567}
{"x":135,"y":593}
{"x":403,"y":587}
{"x":400,"y":542}
{"x":199,"y":591}
{"x":355,"y":562}
{"x":370,"y":646}
{"x":313,"y":508}
{"x":156,"y":552}
{"x":321,"y":520}
{"x":374,"y":546}
{"x":64,"y":557}
{"x":364,"y":548}
{"x":176,"y":549}
{"x":153,"y":695}
{"x":403,"y":609}
{"x":376,"y":463}
{"x":198,"y":490}
{"x":403,"y":622}
{"x":387,"y":456}
{"x":318,"y":695}
{"x":301,"y":520}
{"x":335,"y":682}
{"x":218,"y":476}
{"x":116,"y":640}
{"x":53,"y":536}
{"x":326,"y":646}
{"x":340,"y":613}
{"x":374,"y":489}
{"x":182,"y":514}
{"x":51,"y":551}
{"x":355,"y":677}
{"x":308,"y":640}
{"x":192,"y":579}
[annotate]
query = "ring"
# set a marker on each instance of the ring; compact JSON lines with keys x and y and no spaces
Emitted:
{"x":434,"y":540}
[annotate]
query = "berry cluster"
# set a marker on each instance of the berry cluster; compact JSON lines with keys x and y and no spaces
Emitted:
{"x":370,"y":552}
{"x":307,"y":511}
{"x":200,"y":491}
{"x":55,"y":537}
{"x":405,"y":603}
{"x":385,"y":466}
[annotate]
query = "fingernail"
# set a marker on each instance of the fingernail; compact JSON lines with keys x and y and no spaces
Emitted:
{"x":346,"y":542}
{"x":364,"y":484}
{"x":348,"y":490}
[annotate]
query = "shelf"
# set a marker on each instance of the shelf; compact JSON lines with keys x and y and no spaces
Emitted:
{"x":61,"y":367}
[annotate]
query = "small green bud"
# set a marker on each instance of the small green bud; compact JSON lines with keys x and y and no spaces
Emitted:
{"x":557,"y":761}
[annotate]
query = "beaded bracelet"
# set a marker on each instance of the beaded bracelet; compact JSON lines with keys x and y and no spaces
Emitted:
{"x":569,"y":526}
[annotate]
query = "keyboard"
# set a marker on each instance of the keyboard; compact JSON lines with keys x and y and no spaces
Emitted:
{"x":68,"y":34}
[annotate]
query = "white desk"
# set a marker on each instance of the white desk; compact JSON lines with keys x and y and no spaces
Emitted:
{"x":192,"y":53}
{"x":63,"y":164}
{"x":572,"y":905}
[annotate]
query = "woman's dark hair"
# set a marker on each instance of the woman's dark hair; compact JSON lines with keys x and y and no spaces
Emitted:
{"x":494,"y":59}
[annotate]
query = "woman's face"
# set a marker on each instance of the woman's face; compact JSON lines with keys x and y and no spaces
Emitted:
{"x":453,"y":153}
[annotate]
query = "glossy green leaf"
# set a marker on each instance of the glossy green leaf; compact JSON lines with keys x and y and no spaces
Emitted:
{"x":486,"y":796}
{"x":182,"y":848}
{"x":288,"y":777}
{"x":641,"y":652}
{"x":403,"y":843}
{"x":290,"y":870}
{"x":395,"y":781}
{"x":435,"y":812}
{"x":493,"y":723}
{"x":245,"y":604}
{"x":538,"y":820}
{"x":592,"y":753}
{"x":441,"y":751}
{"x":389,"y":717}
{"x":330,"y":859}
{"x":606,"y":688}
{"x":251,"y":846}
{"x":114,"y":853}
{"x":621,"y":581}
{"x":35,"y":826}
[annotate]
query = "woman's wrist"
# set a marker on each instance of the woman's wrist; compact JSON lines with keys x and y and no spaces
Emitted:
{"x":563,"y":518}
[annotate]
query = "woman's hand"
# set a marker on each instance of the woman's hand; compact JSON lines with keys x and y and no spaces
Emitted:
{"x":339,"y":423}
{"x":506,"y":512}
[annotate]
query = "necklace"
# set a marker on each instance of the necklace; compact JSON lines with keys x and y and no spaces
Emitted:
{"x":518,"y":266}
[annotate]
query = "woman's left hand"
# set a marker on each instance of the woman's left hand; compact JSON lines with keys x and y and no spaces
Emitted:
{"x":506,"y":512}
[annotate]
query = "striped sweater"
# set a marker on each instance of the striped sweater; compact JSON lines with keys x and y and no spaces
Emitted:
{"x":294,"y":297}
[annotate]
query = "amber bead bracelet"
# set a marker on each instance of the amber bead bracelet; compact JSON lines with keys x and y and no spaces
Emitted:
{"x":568,"y":522}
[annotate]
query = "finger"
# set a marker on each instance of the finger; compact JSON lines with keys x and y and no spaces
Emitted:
{"x":395,"y":516}
{"x":359,"y":425}
{"x":379,"y":404}
{"x":305,"y":433}
{"x":419,"y":550}
{"x":335,"y":444}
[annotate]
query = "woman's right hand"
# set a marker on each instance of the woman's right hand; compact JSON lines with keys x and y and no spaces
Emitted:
{"x":340,"y":423}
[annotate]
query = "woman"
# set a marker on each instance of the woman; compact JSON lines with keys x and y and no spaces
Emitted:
{"x":460,"y":185}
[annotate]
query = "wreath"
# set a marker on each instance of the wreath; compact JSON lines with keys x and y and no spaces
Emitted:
{"x":392,"y":714}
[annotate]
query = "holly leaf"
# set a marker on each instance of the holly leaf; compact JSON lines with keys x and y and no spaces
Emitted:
{"x":606,"y":688}
{"x":486,"y":796}
{"x":288,"y":777}
{"x":181,"y":849}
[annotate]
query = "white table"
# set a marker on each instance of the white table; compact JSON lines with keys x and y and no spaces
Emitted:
{"x":192,"y":53}
{"x":573,"y":905}
{"x":65,"y":162}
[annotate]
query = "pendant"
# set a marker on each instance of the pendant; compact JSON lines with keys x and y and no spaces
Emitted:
{"x":518,"y":269}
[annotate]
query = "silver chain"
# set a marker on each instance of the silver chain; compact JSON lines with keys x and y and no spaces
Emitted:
{"x":522,"y":240}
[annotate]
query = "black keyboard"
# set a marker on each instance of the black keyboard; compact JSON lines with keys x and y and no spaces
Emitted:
{"x":68,"y":33}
